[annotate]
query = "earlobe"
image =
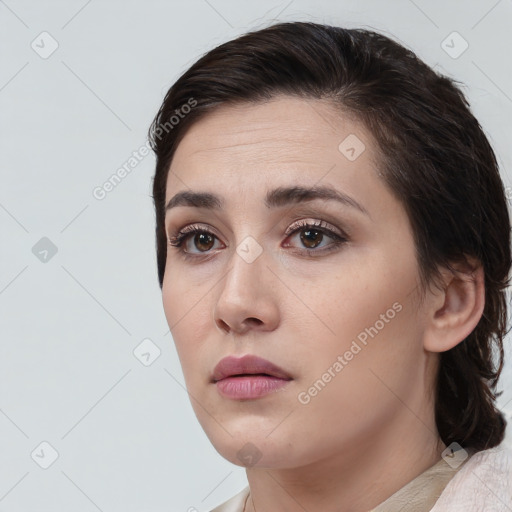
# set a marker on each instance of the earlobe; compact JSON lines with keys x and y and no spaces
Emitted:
{"x":454,"y":311}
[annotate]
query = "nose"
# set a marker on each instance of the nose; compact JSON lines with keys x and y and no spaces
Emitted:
{"x":247,"y":297}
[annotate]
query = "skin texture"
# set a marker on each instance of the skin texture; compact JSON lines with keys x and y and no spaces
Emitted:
{"x":371,"y":429}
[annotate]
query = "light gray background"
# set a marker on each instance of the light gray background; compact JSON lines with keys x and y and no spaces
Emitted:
{"x":125,"y":433}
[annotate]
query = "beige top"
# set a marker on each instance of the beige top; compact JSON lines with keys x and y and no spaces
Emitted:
{"x":419,"y":495}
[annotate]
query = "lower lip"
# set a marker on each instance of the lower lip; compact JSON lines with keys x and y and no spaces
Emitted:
{"x":249,"y":387}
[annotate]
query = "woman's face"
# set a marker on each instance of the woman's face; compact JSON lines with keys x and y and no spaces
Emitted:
{"x":334,"y":305}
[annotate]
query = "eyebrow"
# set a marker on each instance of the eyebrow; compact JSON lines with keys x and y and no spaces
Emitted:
{"x":277,"y":198}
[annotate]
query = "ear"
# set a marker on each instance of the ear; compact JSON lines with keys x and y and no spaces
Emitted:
{"x":454,"y":310}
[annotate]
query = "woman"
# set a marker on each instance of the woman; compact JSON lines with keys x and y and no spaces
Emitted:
{"x":333,"y":247}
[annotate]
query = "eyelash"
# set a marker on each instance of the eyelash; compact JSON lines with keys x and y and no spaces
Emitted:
{"x":179,"y":239}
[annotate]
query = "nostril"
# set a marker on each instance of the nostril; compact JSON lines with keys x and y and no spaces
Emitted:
{"x":243,"y":327}
{"x":223,"y":325}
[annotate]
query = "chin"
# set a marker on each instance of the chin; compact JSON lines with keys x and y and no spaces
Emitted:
{"x":256,"y":453}
{"x":247,"y":443}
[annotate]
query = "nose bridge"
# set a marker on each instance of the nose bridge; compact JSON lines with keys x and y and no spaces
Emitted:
{"x":247,"y":266}
{"x":244,"y":298}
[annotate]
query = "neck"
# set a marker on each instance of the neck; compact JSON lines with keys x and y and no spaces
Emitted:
{"x":357,"y":477}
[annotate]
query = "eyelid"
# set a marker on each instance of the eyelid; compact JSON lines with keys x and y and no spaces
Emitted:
{"x":316,"y":223}
{"x":191,"y":229}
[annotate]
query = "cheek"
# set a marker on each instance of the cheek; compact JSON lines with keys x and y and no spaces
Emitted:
{"x":367,"y":315}
{"x":188,"y":309}
{"x":352,"y":379}
{"x":174,"y":308}
{"x":369,"y":295}
{"x":181,"y":311}
{"x":181,"y":296}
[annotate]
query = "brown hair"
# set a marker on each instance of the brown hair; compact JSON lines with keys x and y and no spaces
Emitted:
{"x":434,"y":155}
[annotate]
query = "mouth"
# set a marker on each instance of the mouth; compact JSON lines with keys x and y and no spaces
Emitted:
{"x":248,"y":377}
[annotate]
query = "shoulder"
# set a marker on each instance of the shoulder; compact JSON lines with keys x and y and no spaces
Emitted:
{"x":484,"y":482}
{"x":234,"y":504}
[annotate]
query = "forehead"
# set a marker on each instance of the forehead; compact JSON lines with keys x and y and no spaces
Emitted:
{"x":287,"y":123}
{"x":285,"y":134}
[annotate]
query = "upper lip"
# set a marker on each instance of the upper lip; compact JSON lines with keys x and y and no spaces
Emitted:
{"x":246,"y":365}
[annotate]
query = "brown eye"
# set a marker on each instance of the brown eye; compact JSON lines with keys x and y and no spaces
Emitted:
{"x":196,"y":241}
{"x":193,"y":241}
{"x":311,"y":238}
{"x":204,"y":241}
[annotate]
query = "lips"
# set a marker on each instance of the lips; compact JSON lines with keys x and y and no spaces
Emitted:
{"x":248,"y":378}
{"x":247,"y":365}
